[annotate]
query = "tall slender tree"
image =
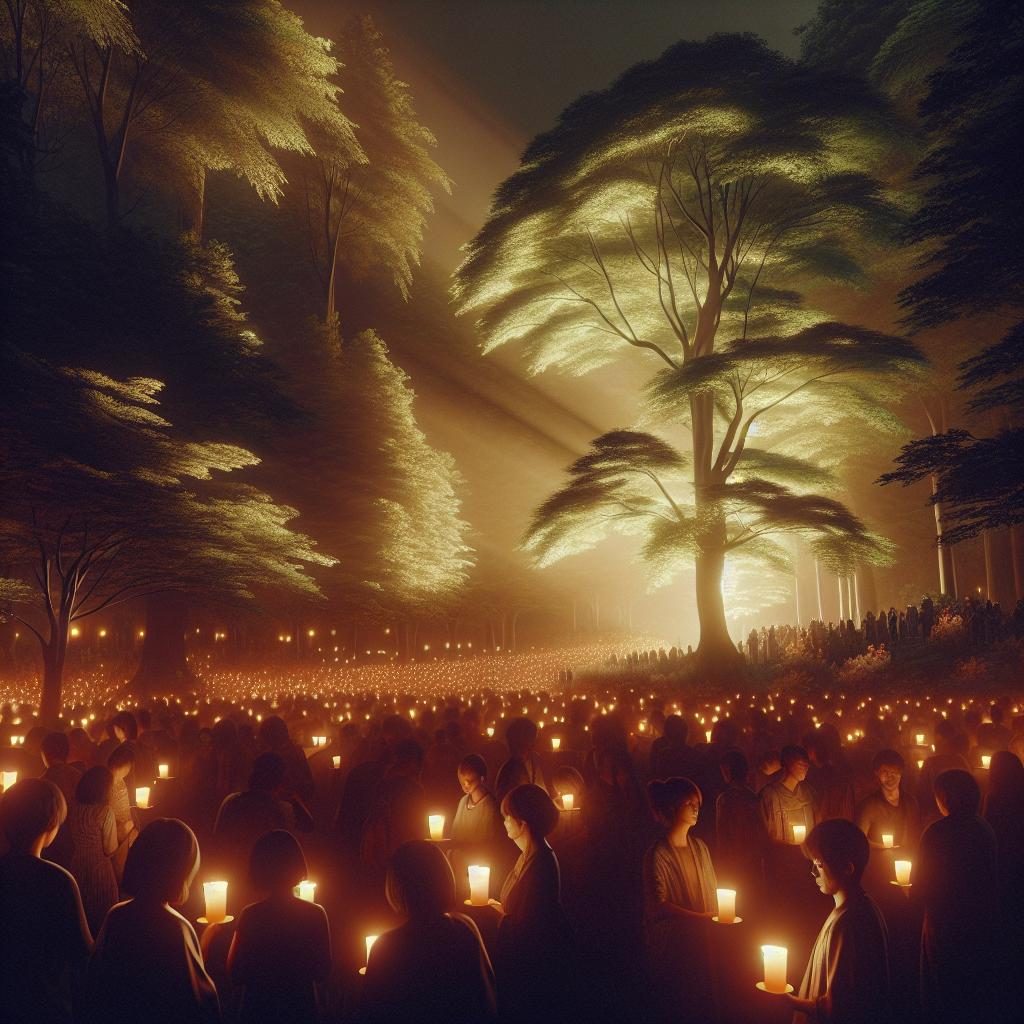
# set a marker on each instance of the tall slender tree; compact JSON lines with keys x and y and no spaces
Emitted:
{"x":684,"y":213}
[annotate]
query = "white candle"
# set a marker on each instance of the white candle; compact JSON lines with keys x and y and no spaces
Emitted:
{"x":726,"y":905}
{"x":903,"y":872}
{"x":336,"y":760}
{"x":17,"y":741}
{"x":142,"y":796}
{"x":986,"y":760}
{"x":556,"y":742}
{"x":479,"y":884}
{"x":435,"y":823}
{"x":490,"y":731}
{"x":920,"y":765}
{"x":920,"y":739}
{"x":799,"y":833}
{"x":164,"y":771}
{"x":8,"y":779}
{"x":319,"y":741}
{"x":707,"y":735}
{"x":774,"y":968}
{"x":370,"y":940}
{"x":306,"y":891}
{"x":216,"y":894}
{"x":887,"y":839}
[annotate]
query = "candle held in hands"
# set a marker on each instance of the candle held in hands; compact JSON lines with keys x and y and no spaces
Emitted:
{"x":774,"y":968}
{"x":164,"y":771}
{"x":370,"y":940}
{"x":799,"y":833}
{"x":142,"y":797}
{"x":479,"y":884}
{"x":903,"y":872}
{"x":216,"y":894}
{"x":435,"y":824}
{"x":567,"y":801}
{"x":887,"y":840}
{"x":726,"y":905}
{"x":306,"y":891}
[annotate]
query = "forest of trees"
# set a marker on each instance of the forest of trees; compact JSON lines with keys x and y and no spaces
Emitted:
{"x":814,"y":256}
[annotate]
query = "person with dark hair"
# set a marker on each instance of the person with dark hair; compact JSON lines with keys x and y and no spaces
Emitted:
{"x":399,"y":813}
{"x":888,"y":810}
{"x":534,"y":941}
{"x":523,"y":767}
{"x":957,"y":883}
{"x":281,"y":949}
{"x":847,"y":975}
{"x":947,"y":757}
{"x":434,"y":966}
{"x":477,"y":818}
{"x":679,"y":887}
{"x":263,"y":807}
{"x":54,"y":751}
{"x":739,"y":827}
{"x":670,"y":753}
{"x":147,"y":963}
{"x":93,"y":833}
{"x":274,"y":738}
{"x":788,"y":801}
{"x":44,"y":937}
{"x":121,"y":762}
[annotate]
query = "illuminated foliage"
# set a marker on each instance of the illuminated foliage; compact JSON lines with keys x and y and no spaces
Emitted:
{"x":684,"y":213}
{"x":364,"y":206}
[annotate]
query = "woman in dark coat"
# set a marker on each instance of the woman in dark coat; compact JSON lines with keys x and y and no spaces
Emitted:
{"x":957,"y":883}
{"x":434,"y":966}
{"x":533,"y":955}
{"x":147,"y":964}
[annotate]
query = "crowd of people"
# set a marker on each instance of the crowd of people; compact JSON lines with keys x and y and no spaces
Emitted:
{"x":980,"y":623}
{"x":608,"y":824}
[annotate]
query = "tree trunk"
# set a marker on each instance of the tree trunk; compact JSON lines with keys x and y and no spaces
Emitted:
{"x":54,"y":655}
{"x":839,"y":581}
{"x":953,"y":573}
{"x":990,"y":572}
{"x":163,"y":668}
{"x":715,"y":647}
{"x":856,"y":598}
{"x":849,"y":597}
{"x":193,"y":209}
{"x":515,"y":631}
{"x":1016,"y":551}
{"x":817,"y":585}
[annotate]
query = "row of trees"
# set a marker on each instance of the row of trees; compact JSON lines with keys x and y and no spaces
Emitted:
{"x":708,"y":212}
{"x":137,"y":393}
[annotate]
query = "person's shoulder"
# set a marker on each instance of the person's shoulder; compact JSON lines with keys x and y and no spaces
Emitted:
{"x":463,"y":929}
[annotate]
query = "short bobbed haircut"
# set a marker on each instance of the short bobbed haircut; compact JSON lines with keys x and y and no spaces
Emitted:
{"x":419,"y":882}
{"x":958,"y":791}
{"x":520,"y":733}
{"x":121,"y":756}
{"x":29,"y":809}
{"x":888,"y":759}
{"x":95,"y":786}
{"x":531,"y":805}
{"x":162,"y":862}
{"x":667,"y":796}
{"x":734,"y":762}
{"x":55,"y":746}
{"x":277,"y":861}
{"x":838,"y":843}
{"x":268,"y":772}
{"x":475,"y":764}
{"x":791,"y":755}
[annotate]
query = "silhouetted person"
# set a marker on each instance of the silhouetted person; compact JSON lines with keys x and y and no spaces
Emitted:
{"x":847,"y":975}
{"x":281,"y":949}
{"x":93,"y":833}
{"x":434,"y":966}
{"x":670,"y":754}
{"x":274,"y":739}
{"x":523,"y":766}
{"x":147,"y":963}
{"x":956,"y":880}
{"x":54,"y":751}
{"x":399,"y":812}
{"x":739,"y":827}
{"x":44,"y":938}
{"x":121,"y":762}
{"x":533,"y":950}
{"x":888,"y":810}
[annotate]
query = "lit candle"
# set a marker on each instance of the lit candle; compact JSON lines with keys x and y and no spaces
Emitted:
{"x":216,"y":894}
{"x":920,"y":765}
{"x":568,"y":799}
{"x":17,"y":741}
{"x":164,"y":770}
{"x":726,"y":905}
{"x":479,"y":884}
{"x":435,"y":823}
{"x":142,"y":797}
{"x":370,"y":940}
{"x":920,"y":739}
{"x":887,"y":839}
{"x":774,"y":968}
{"x":903,"y":872}
{"x":707,"y":735}
{"x":556,"y":742}
{"x":986,"y":760}
{"x":8,"y":779}
{"x":336,"y":760}
{"x":490,"y":731}
{"x":799,"y":833}
{"x":319,"y":741}
{"x":306,"y":891}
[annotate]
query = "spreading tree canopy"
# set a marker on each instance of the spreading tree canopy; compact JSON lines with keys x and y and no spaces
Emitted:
{"x":684,"y":213}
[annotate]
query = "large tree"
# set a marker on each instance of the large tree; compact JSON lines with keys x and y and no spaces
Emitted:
{"x":103,"y":504}
{"x":684,"y":213}
{"x":970,"y":222}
